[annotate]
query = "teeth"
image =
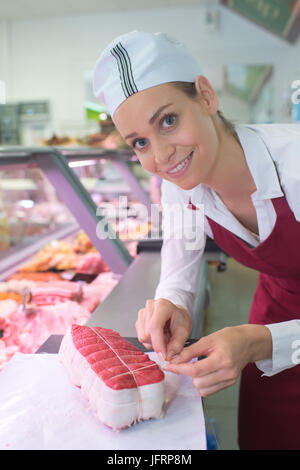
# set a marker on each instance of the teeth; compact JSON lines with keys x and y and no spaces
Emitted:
{"x":181,"y":165}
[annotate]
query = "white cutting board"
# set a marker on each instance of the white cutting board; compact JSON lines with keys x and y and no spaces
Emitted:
{"x":41,"y":410}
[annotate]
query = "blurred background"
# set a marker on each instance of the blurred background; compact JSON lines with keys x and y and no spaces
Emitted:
{"x":249,"y":50}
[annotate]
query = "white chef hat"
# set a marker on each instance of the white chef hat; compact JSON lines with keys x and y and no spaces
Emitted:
{"x":139,"y":60}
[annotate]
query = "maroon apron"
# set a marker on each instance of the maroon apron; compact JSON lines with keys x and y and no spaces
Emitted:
{"x":269,"y":407}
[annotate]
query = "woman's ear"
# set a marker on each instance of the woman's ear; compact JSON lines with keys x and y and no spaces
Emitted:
{"x":207,"y":94}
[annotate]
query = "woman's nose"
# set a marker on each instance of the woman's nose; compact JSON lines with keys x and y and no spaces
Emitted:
{"x":164,"y":153}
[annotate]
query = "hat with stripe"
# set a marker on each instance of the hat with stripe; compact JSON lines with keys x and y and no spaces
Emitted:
{"x":139,"y":60}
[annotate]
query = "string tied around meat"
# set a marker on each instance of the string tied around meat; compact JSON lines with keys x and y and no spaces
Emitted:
{"x":130,"y":371}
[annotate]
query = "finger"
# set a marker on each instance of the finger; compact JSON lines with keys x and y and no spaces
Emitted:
{"x":177,"y":341}
{"x":215,"y":377}
{"x":200,"y":348}
{"x":184,"y":369}
{"x":206,"y":391}
{"x":149,"y":310}
{"x":161,"y":315}
{"x":148,"y":345}
{"x":210,"y":380}
{"x":193,"y":369}
{"x":149,"y":303}
{"x":142,"y":335}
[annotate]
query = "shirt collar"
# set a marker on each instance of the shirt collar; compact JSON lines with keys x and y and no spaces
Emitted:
{"x":260,"y":164}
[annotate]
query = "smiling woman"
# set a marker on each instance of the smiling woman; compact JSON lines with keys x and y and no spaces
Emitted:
{"x":247,"y":180}
{"x":179,"y":135}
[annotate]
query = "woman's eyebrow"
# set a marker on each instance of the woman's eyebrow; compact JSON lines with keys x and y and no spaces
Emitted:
{"x":151,"y":120}
{"x":155,"y":115}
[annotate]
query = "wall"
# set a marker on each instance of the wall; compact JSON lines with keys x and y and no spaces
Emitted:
{"x":5,"y":53}
{"x":296,"y":59}
{"x":46,"y":58}
{"x":234,"y":109}
{"x":262,"y":109}
{"x":296,"y":76}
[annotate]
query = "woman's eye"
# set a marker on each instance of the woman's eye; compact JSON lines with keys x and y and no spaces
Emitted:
{"x":168,"y":120}
{"x":139,"y":144}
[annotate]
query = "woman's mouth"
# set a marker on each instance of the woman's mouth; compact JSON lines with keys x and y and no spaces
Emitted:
{"x":181,"y":167}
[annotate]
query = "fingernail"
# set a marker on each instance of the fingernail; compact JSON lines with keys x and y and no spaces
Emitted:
{"x":160,"y":356}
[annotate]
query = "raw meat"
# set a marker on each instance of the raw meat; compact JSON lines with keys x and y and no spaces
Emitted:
{"x":91,"y":263}
{"x":27,"y":333}
{"x":50,"y":293}
{"x":90,"y":302}
{"x":132,"y":247}
{"x":7,"y":310}
{"x":95,"y":292}
{"x":121,"y":383}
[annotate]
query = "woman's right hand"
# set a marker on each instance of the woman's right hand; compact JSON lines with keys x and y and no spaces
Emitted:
{"x":163,"y":326}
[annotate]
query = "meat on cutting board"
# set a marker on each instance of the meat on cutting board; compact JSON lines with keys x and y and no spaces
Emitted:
{"x":121,"y":383}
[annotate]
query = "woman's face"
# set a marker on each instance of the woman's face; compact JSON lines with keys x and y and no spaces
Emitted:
{"x":174,"y":136}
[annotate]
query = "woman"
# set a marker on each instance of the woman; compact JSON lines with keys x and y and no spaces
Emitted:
{"x":248,"y":180}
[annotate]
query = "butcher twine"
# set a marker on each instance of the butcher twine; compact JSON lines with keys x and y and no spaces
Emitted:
{"x":130,"y":371}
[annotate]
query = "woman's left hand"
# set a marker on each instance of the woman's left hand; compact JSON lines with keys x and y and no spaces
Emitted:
{"x":227,"y":352}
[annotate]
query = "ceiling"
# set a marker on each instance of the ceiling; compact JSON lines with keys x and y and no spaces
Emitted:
{"x":29,"y":9}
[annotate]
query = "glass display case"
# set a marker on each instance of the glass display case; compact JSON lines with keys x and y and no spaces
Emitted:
{"x":50,"y":193}
{"x":29,"y":207}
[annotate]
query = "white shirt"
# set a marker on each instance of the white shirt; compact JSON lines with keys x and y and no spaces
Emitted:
{"x":264,"y":145}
